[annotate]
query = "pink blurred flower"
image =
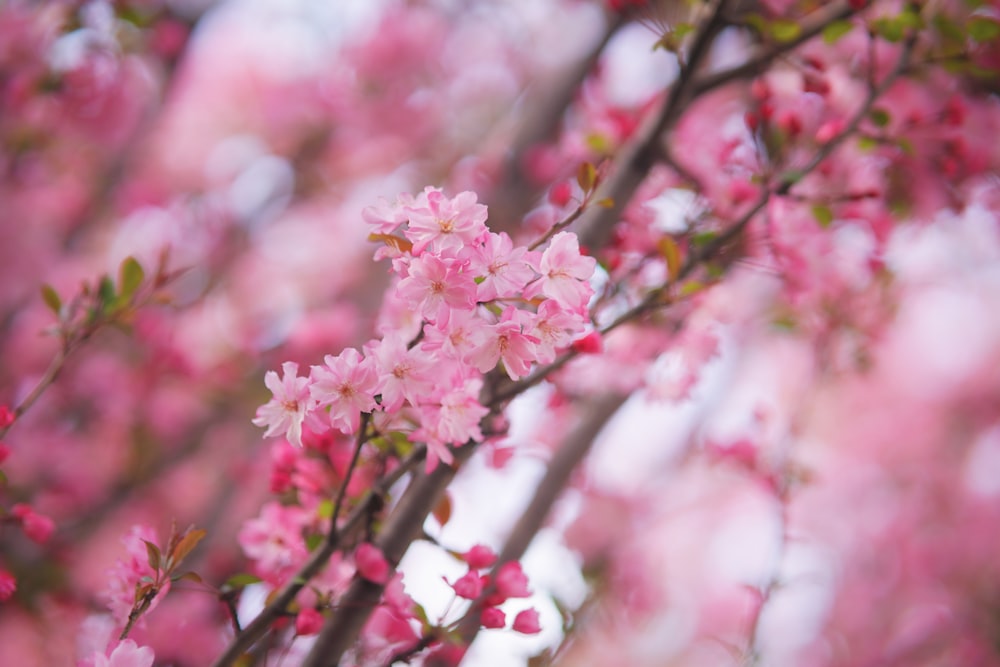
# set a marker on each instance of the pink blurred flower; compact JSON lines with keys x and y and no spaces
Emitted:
{"x":126,"y":654}
{"x":511,"y":582}
{"x":309,"y":621}
{"x":371,"y":563}
{"x":37,"y":527}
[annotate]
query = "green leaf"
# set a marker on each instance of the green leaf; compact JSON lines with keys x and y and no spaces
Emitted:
{"x":867,"y":143}
{"x":835,"y":30}
{"x":823,"y":215}
{"x":703,"y":238}
{"x":948,"y":29}
{"x":983,"y":29}
{"x":313,"y":541}
{"x":241,"y":580}
{"x":106,"y":290}
{"x":130,"y":276}
{"x":51,"y":298}
{"x":880,"y":117}
{"x":784,"y":30}
{"x":792,"y":176}
{"x":325,"y":509}
{"x":891,"y":30}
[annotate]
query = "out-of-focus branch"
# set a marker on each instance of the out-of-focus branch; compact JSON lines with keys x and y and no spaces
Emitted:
{"x":635,"y":159}
{"x":403,"y":526}
{"x":514,"y":194}
{"x":317,"y":561}
{"x":557,"y":474}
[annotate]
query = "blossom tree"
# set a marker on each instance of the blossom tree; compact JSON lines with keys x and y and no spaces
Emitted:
{"x":640,"y":332}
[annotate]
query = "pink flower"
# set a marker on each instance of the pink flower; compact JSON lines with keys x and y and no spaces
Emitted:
{"x":565,"y":273}
{"x":403,"y":374}
{"x":460,"y":412}
{"x":289,"y":407}
{"x":526,"y":622}
{"x":274,"y":540}
{"x":126,"y":654}
{"x":371,"y":563}
{"x":508,"y":341}
{"x":347,"y":384}
{"x":8,"y":585}
{"x":385,"y":217}
{"x":554,"y":326}
{"x":456,"y":335}
{"x":446,"y":223}
{"x":505,"y":270}
{"x":454,"y":419}
{"x":492,"y":617}
{"x":37,"y":527}
{"x":511,"y":581}
{"x":309,"y":621}
{"x":479,"y":557}
{"x":434,"y":284}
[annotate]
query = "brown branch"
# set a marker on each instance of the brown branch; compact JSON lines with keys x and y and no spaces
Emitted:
{"x":557,"y":474}
{"x":638,"y":156}
{"x":317,"y":560}
{"x":402,"y":527}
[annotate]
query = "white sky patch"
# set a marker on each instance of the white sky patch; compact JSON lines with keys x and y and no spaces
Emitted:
{"x":633,"y":72}
{"x":675,"y":209}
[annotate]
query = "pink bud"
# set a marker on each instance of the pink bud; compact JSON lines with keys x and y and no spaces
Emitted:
{"x":592,"y":343}
{"x":6,"y":416}
{"x":560,"y":193}
{"x":468,"y":586}
{"x":526,"y":622}
{"x":308,"y":622}
{"x":511,"y":581}
{"x":479,"y":557}
{"x":37,"y":527}
{"x":493,"y":618}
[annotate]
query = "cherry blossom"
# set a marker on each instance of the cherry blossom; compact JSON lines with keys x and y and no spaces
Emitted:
{"x":287,"y":411}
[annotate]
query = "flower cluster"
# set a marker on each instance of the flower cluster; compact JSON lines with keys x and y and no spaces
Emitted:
{"x":509,"y":582}
{"x":477,"y":302}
